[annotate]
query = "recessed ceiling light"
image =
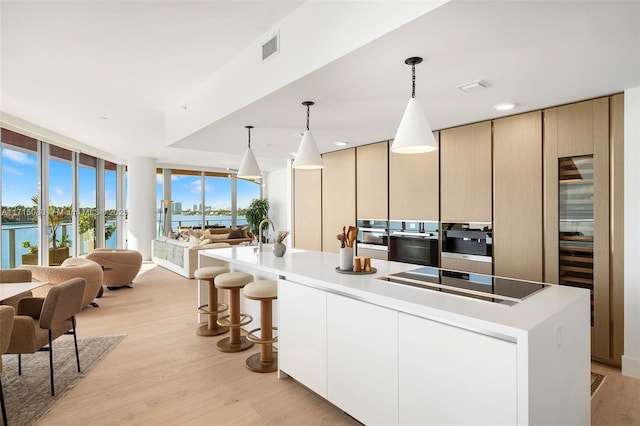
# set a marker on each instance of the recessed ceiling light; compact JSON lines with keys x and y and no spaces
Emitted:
{"x":341,"y":143}
{"x":504,"y":106}
{"x":473,"y":86}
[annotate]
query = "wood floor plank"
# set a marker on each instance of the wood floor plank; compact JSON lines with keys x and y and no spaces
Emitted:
{"x":163,"y":373}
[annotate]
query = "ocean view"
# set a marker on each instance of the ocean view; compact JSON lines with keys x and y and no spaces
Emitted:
{"x":16,"y":233}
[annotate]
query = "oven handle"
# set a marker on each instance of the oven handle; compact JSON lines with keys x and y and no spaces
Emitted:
{"x":373,"y":229}
{"x":373,"y":246}
{"x":413,"y":234}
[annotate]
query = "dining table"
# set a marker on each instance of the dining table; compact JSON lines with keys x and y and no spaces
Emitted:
{"x":8,"y":290}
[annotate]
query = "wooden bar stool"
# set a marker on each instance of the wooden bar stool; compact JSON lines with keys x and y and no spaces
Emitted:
{"x":234,"y":281}
{"x":266,"y":361}
{"x":211,"y":328}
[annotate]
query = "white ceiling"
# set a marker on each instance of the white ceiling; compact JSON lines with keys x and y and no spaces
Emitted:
{"x":111,"y":74}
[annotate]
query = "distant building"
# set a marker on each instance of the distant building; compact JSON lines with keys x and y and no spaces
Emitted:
{"x":176,"y":207}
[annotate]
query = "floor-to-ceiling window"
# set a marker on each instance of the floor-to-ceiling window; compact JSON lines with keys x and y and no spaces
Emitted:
{"x":60,"y":225}
{"x":19,"y":163}
{"x":87,"y":204}
{"x":247,"y":191}
{"x":42,"y":185}
{"x":218,"y":199}
{"x":186,"y":198}
{"x":110,"y":204}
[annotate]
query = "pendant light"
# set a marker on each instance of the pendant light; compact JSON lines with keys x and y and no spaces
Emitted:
{"x":414,"y":134}
{"x":249,"y":167}
{"x":308,"y":157}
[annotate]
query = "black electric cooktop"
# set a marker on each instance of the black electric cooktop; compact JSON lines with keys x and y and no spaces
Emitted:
{"x":484,"y":287}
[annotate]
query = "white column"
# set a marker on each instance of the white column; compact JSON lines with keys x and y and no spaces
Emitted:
{"x":631,"y":357}
{"x":141,"y":206}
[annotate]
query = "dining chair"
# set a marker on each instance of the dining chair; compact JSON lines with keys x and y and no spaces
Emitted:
{"x":39,"y":321}
{"x":6,"y":324}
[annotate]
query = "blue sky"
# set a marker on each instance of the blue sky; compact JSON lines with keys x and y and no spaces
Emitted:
{"x":20,"y":181}
{"x":188,"y":189}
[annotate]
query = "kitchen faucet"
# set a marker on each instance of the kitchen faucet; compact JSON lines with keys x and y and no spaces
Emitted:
{"x":267,"y":220}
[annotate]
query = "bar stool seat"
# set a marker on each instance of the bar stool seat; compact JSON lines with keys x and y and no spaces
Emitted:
{"x":266,"y":361}
{"x":213,"y":308}
{"x":234,"y":281}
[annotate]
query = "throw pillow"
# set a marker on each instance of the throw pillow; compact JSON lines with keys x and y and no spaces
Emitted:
{"x":194,"y":239}
{"x":217,"y":237}
{"x":205,"y":241}
{"x":235,"y":233}
{"x":245,"y":231}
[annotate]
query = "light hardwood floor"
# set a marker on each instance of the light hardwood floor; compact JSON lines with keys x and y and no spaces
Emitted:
{"x":162,"y":373}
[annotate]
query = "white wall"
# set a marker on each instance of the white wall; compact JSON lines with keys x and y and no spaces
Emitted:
{"x":631,"y":357}
{"x":278,"y":192}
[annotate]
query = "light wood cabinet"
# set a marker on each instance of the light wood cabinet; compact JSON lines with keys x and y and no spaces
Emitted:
{"x":372,"y":181}
{"x":414,"y":186}
{"x":517,"y":196}
{"x":338,"y":196}
{"x":577,"y":227}
{"x":465,"y":173}
{"x":307,"y":215}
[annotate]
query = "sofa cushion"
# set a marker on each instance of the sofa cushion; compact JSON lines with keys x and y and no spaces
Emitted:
{"x":235,"y":233}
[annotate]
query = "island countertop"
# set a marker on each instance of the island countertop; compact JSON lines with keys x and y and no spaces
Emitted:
{"x":448,"y":359}
{"x":317,"y":269}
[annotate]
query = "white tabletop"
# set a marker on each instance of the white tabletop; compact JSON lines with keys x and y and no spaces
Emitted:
{"x":8,"y":290}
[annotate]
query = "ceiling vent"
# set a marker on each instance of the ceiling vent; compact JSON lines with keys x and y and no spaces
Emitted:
{"x":473,"y":86}
{"x":271,"y":47}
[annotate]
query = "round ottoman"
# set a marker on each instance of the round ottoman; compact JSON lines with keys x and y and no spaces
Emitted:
{"x":120,"y":266}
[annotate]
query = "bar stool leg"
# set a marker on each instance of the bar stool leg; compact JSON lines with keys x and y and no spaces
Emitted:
{"x":235,"y":342}
{"x":266,"y":361}
{"x":212,"y":328}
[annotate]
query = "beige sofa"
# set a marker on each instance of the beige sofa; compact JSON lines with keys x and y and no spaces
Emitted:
{"x":180,"y":257}
{"x":73,"y":267}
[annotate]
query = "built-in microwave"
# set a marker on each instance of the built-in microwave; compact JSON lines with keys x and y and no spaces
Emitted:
{"x":469,"y":241}
{"x":414,"y":242}
{"x":373,"y":238}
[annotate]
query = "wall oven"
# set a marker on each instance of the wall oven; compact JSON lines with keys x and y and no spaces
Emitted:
{"x":373,"y":238}
{"x":414,"y":242}
{"x":469,"y":241}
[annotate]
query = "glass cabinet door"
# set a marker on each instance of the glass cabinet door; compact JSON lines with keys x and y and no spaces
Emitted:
{"x":576,"y":216}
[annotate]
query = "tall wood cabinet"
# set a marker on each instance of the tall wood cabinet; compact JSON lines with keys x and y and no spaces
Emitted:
{"x":577,"y":216}
{"x":517,"y":196}
{"x":414,"y":186}
{"x":372,"y":181}
{"x":338,"y":195}
{"x":307,"y":212}
{"x":465,"y":173}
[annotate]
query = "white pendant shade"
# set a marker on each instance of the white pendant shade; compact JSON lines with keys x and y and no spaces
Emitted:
{"x":414,"y":134}
{"x":249,"y":167}
{"x":308,"y":156}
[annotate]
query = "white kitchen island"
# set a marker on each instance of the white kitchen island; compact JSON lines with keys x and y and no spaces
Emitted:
{"x":389,"y":353}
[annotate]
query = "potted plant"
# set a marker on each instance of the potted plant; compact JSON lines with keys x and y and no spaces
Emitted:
{"x":257,"y":211}
{"x":59,"y":249}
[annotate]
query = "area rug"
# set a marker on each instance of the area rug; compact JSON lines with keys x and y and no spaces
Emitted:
{"x":28,"y":396}
{"x":596,"y":381}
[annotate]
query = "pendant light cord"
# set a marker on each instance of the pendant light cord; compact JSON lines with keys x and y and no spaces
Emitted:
{"x":308,"y":106}
{"x":413,"y":80}
{"x":249,"y":130}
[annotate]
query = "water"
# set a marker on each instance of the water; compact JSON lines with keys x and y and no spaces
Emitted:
{"x":29,"y":232}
